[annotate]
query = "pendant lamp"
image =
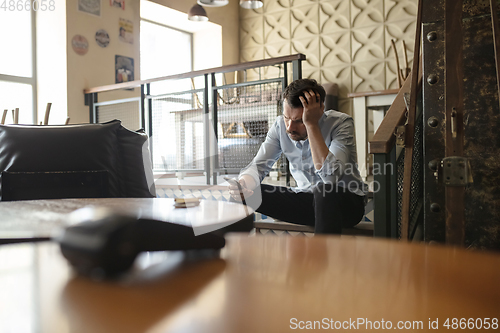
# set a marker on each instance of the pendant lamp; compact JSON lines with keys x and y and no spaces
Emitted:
{"x":213,"y":3}
{"x":198,"y":14}
{"x":251,"y":4}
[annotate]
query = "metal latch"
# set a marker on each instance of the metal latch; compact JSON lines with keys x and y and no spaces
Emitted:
{"x":400,"y":131}
{"x":456,"y":171}
{"x":400,"y":135}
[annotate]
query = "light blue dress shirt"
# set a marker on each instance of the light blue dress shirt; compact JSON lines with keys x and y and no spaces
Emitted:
{"x":340,"y":166}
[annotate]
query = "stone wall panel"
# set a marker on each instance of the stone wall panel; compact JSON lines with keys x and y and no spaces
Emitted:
{"x":345,"y":41}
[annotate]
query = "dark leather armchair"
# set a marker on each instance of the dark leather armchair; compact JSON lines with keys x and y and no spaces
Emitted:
{"x":74,"y":161}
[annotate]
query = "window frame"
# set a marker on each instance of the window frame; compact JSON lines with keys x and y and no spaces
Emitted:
{"x":191,"y":40}
{"x":28,"y":80}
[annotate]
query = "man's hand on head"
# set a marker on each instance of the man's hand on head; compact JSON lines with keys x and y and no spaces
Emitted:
{"x":235,"y":193}
{"x":313,"y":108}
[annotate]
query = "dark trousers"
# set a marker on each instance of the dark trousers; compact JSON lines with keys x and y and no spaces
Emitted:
{"x":329,"y":208}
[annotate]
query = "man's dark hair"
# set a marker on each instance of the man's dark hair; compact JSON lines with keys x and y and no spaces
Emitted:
{"x":295,"y":89}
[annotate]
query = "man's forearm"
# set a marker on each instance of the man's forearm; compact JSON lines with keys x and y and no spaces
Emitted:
{"x":319,"y":149}
{"x":249,"y":182}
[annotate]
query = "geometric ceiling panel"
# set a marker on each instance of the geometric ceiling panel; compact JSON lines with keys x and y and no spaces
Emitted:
{"x":269,"y":72}
{"x":390,"y":76}
{"x":278,"y":49}
{"x":334,"y":49}
{"x":390,"y":72}
{"x":298,"y":3}
{"x":399,"y":32}
{"x":309,"y":47}
{"x":305,"y":21}
{"x":400,"y":10}
{"x":276,"y":5}
{"x":368,"y":76}
{"x":312,"y":74}
{"x":277,"y":26}
{"x":367,"y":13}
{"x":251,"y":75}
{"x":345,"y":41}
{"x":252,"y":53}
{"x":262,"y":73}
{"x":341,"y":75}
{"x":345,"y":105}
{"x":247,"y":13}
{"x":334,"y":17}
{"x":391,"y":58}
{"x":251,"y":32}
{"x":368,"y":44}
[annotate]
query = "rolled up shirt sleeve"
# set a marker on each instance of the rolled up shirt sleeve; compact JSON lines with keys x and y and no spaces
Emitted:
{"x":268,"y":154}
{"x":341,"y":147}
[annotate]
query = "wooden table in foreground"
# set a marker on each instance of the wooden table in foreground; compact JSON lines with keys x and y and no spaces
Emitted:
{"x":41,"y":218}
{"x":259,"y":284}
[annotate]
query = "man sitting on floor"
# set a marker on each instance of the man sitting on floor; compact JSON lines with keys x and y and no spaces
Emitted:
{"x":320,"y":148}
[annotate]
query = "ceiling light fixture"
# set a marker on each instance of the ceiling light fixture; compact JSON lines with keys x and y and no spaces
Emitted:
{"x":198,"y":14}
{"x":251,"y":4}
{"x":213,"y":3}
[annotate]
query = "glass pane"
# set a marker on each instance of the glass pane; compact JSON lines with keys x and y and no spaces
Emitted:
{"x":165,"y":51}
{"x":15,"y":42}
{"x":17,"y":95}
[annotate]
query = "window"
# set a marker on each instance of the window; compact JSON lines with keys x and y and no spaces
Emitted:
{"x":171,"y":44}
{"x":164,"y":51}
{"x":17,"y":64}
{"x":205,"y":40}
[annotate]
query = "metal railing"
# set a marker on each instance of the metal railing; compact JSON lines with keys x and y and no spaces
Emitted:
{"x":387,"y":147}
{"x":196,"y":125}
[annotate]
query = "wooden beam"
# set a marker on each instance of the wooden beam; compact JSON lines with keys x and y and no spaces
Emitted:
{"x":383,"y":140}
{"x":410,"y":129}
{"x":4,"y":116}
{"x":47,"y":114}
